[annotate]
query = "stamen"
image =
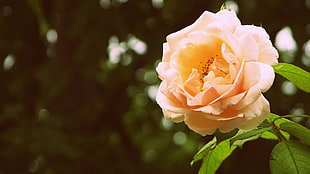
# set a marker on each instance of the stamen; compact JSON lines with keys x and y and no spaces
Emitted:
{"x":205,"y":66}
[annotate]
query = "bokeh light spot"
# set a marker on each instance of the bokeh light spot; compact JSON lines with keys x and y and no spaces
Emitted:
{"x":43,"y":114}
{"x":116,"y":49}
{"x":150,"y":77}
{"x":137,"y":45}
{"x":51,"y":36}
{"x":306,"y":55}
{"x":286,"y":44}
{"x":179,"y":138}
{"x":166,"y":125}
{"x":8,"y":62}
{"x":105,"y":3}
{"x":232,"y":5}
{"x":152,"y":91}
{"x":288,"y":88}
{"x":158,"y":3}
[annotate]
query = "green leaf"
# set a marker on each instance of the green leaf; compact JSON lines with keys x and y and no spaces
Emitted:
{"x":272,"y":117}
{"x":290,"y":157}
{"x":279,"y":120}
{"x":215,"y":157}
{"x":298,"y":76}
{"x":264,"y":124}
{"x":223,"y":136}
{"x":203,"y":151}
{"x":269,"y":136}
{"x":297,"y":130}
{"x":247,"y":135}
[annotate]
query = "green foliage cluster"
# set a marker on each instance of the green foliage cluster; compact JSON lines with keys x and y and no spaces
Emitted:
{"x":290,"y":155}
{"x":77,"y":85}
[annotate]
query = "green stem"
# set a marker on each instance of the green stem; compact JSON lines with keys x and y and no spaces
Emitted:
{"x":278,"y":133}
{"x":276,"y":130}
{"x":288,"y":116}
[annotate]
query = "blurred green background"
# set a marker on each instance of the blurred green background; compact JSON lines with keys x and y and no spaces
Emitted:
{"x":77,"y":84}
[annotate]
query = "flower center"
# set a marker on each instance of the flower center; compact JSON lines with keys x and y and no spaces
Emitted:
{"x":204,"y":58}
{"x":204,"y":66}
{"x":214,"y":63}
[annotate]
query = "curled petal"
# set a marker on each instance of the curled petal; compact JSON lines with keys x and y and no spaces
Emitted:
{"x":214,"y":109}
{"x":168,"y":101}
{"x":267,"y":53}
{"x":233,"y":100}
{"x":259,"y":75}
{"x":255,"y":113}
{"x":166,"y":53}
{"x":164,"y":71}
{"x":257,"y":32}
{"x":250,"y":97}
{"x":192,"y":84}
{"x":249,"y":51}
{"x":199,"y":25}
{"x":204,"y":98}
{"x":172,"y":116}
{"x":255,"y":84}
{"x":229,"y":18}
{"x":236,"y":87}
{"x":199,"y":123}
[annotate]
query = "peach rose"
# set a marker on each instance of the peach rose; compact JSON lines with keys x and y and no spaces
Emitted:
{"x":213,"y":74}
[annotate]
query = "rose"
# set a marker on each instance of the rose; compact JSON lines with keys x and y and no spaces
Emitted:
{"x":213,"y":74}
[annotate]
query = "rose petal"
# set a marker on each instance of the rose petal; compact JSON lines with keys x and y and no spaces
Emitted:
{"x":222,"y":89}
{"x":192,"y":85}
{"x":168,"y":101}
{"x":257,"y":32}
{"x":236,"y":87}
{"x":228,"y":54}
{"x":255,"y":113}
{"x":259,"y":74}
{"x":203,"y":38}
{"x":165,"y":72}
{"x":233,"y":100}
{"x":230,"y":125}
{"x":200,"y":24}
{"x":166,"y":53}
{"x":267,"y":53}
{"x":229,"y":39}
{"x":214,"y":109}
{"x":228,"y":113}
{"x":172,"y":116}
{"x":257,"y":84}
{"x":229,"y":18}
{"x":199,"y":123}
{"x":249,"y":49}
{"x":250,"y":97}
{"x":204,"y":98}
